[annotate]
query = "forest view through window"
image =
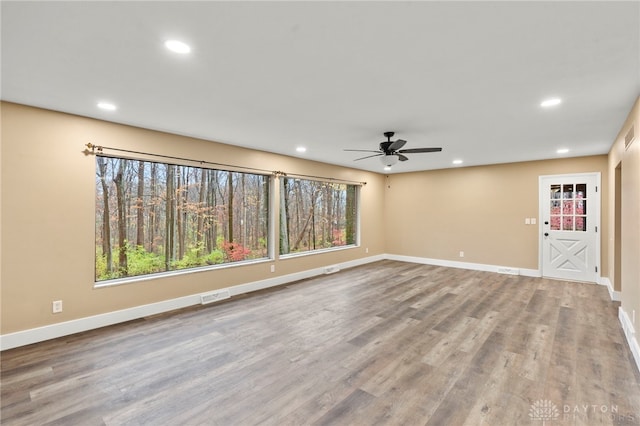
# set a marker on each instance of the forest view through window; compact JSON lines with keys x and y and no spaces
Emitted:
{"x":155,"y":217}
{"x":316,"y":215}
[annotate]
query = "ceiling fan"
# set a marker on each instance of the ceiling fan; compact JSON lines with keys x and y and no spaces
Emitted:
{"x":390,"y":151}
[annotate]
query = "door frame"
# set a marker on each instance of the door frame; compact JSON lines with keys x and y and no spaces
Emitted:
{"x":598,"y":214}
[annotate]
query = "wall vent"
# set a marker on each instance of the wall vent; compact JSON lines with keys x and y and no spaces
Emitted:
{"x":214,"y":296}
{"x":509,"y":271}
{"x":628,"y":139}
{"x":331,"y":269}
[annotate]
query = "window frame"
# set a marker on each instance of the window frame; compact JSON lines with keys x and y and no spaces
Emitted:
{"x":266,"y":206}
{"x":310,"y":252}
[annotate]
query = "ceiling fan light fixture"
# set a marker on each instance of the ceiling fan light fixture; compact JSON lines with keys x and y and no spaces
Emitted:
{"x":389,"y":160}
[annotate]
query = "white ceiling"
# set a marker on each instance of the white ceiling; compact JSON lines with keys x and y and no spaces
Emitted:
{"x":466,"y":76}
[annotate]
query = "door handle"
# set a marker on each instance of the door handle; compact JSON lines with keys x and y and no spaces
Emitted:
{"x":546,"y":234}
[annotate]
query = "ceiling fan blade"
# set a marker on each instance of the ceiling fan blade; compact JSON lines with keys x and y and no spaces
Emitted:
{"x":397,"y":145}
{"x":402,"y":157}
{"x":418,"y":150}
{"x":369,"y":156}
{"x":360,"y":150}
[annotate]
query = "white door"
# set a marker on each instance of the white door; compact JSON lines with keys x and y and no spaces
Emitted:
{"x":570,"y":213}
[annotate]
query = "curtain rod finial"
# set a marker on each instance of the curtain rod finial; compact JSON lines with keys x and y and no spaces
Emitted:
{"x":93,"y":147}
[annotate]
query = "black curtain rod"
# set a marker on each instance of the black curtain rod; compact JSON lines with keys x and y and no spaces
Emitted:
{"x":99,"y":150}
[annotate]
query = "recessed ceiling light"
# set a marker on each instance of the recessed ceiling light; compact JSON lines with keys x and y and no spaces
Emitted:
{"x":107,"y":106}
{"x":550,"y":102}
{"x":562,"y":151}
{"x":457,"y":161}
{"x":177,"y":46}
{"x":387,"y":168}
{"x":301,"y":149}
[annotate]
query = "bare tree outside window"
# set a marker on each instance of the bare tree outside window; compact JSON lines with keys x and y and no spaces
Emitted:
{"x":316,"y":215}
{"x":155,"y":217}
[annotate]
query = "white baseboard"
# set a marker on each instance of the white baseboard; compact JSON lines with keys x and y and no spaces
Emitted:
{"x":272,"y":282}
{"x":463,"y":265}
{"x":630,"y":334}
{"x":39,"y":334}
{"x":614,"y":295}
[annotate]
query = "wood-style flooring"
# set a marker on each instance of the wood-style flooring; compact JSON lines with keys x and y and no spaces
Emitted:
{"x":387,"y":343}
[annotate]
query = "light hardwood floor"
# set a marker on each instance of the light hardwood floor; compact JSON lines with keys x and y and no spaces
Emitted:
{"x":386,"y":343}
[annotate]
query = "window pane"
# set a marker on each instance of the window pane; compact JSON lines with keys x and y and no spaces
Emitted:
{"x":155,"y":217}
{"x":581,"y":223}
{"x":555,"y":207}
{"x":555,"y":191}
{"x":581,"y":207}
{"x":316,"y":215}
{"x":567,"y":207}
{"x":555,"y":223}
{"x":567,"y":191}
{"x":567,"y":223}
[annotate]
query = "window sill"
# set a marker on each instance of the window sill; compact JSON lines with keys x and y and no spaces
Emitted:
{"x":149,"y":277}
{"x":320,"y":251}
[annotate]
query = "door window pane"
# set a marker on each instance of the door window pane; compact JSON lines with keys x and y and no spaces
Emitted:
{"x":568,"y":207}
{"x":567,"y":192}
{"x":567,"y":223}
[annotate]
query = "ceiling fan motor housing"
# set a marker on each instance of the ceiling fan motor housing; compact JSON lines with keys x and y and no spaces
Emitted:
{"x":384,"y":146}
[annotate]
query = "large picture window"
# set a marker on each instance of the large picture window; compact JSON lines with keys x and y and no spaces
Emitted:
{"x":155,"y":217}
{"x":316,"y":215}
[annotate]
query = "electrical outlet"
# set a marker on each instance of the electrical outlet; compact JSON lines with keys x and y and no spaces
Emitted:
{"x":273,"y":268}
{"x":366,"y":250}
{"x":56,"y":306}
{"x":461,"y":254}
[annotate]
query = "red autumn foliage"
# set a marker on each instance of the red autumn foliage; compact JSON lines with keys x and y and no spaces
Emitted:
{"x":235,"y":251}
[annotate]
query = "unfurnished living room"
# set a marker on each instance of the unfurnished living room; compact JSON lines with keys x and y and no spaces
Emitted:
{"x":320,"y":213}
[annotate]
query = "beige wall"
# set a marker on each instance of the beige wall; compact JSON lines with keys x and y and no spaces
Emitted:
{"x":628,"y":242}
{"x":48,"y":200}
{"x":478,"y":210}
{"x":48,"y":196}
